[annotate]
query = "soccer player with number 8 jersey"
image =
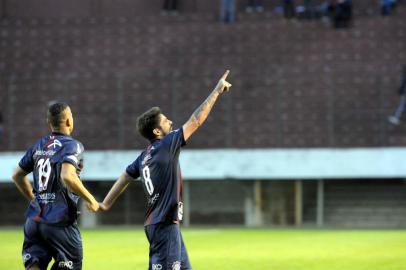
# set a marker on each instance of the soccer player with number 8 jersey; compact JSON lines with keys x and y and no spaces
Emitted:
{"x":158,"y":168}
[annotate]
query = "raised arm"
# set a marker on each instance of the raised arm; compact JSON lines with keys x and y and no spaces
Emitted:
{"x":119,"y":186}
{"x":201,"y":113}
{"x":72,"y":181}
{"x":23,"y":184}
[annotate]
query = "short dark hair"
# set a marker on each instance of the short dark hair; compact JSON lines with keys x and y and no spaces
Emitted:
{"x":148,"y":121}
{"x":55,"y":113}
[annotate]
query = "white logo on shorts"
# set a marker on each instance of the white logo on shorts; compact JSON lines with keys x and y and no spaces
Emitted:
{"x":66,"y":264}
{"x":26,"y":257}
{"x":157,"y":266}
{"x":176,"y":265}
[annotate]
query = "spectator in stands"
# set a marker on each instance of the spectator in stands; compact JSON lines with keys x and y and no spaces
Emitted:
{"x":330,"y":7}
{"x":254,"y":6}
{"x":340,"y":12}
{"x":227,"y":11}
{"x":306,"y":11}
{"x":289,"y":9}
{"x":170,"y":6}
{"x":310,"y":10}
{"x":395,"y":118}
{"x":387,"y":6}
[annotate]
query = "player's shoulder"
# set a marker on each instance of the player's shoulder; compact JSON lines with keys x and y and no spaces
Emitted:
{"x":176,"y":131}
{"x":72,"y":145}
{"x":72,"y":141}
{"x":145,"y":154}
{"x":39,"y":143}
{"x":36,"y":146}
{"x":175,"y":139}
{"x":173,"y":133}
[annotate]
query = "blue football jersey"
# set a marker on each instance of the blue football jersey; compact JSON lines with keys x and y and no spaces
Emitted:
{"x":54,"y":203}
{"x":159,"y":170}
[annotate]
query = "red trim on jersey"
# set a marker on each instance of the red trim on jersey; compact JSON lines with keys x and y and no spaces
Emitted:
{"x":148,"y":221}
{"x":38,"y":218}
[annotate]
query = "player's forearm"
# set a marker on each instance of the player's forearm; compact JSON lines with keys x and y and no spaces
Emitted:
{"x":73,"y":182}
{"x":201,"y":113}
{"x":22,"y":183}
{"x":119,"y":186}
{"x":24,"y":186}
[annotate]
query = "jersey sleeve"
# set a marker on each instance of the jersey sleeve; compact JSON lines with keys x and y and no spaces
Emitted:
{"x":133,"y":169}
{"x":73,"y":154}
{"x":27,"y":161}
{"x":175,"y":140}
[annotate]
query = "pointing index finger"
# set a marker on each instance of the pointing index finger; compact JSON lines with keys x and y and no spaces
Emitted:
{"x":225,"y":75}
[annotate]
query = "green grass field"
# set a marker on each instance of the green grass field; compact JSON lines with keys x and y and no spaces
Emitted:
{"x":231,"y":249}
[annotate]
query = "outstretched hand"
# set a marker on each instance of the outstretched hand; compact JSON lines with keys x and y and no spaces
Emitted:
{"x":93,"y":206}
{"x":103,"y":207}
{"x":223,"y":85}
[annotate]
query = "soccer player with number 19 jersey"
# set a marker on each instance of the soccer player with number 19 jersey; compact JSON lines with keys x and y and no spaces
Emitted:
{"x":159,"y":170}
{"x":50,"y":230}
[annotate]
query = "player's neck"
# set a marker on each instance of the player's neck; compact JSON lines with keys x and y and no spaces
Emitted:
{"x":64,"y":131}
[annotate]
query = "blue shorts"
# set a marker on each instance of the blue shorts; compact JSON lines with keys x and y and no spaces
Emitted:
{"x":166,"y":248}
{"x":42,"y":242}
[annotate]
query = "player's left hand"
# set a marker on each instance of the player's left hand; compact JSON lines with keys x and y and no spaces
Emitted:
{"x":93,"y":206}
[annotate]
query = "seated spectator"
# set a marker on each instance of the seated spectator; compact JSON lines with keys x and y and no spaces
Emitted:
{"x":311,"y":10}
{"x":395,"y":118}
{"x":341,"y":12}
{"x":227,"y":11}
{"x":289,"y":9}
{"x":255,"y":6}
{"x":387,"y":7}
{"x":171,"y":7}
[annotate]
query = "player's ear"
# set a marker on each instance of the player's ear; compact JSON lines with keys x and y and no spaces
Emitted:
{"x":68,"y":122}
{"x":157,"y":132}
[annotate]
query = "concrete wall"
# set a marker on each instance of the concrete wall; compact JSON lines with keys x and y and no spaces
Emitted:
{"x":348,"y":203}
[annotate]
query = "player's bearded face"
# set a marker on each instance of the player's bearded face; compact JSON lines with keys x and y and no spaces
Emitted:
{"x":165,"y":125}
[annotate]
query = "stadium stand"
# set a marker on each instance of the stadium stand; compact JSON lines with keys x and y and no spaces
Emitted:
{"x":322,"y":87}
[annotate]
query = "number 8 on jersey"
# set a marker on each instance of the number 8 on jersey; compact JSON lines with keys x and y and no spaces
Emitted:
{"x":147,"y":180}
